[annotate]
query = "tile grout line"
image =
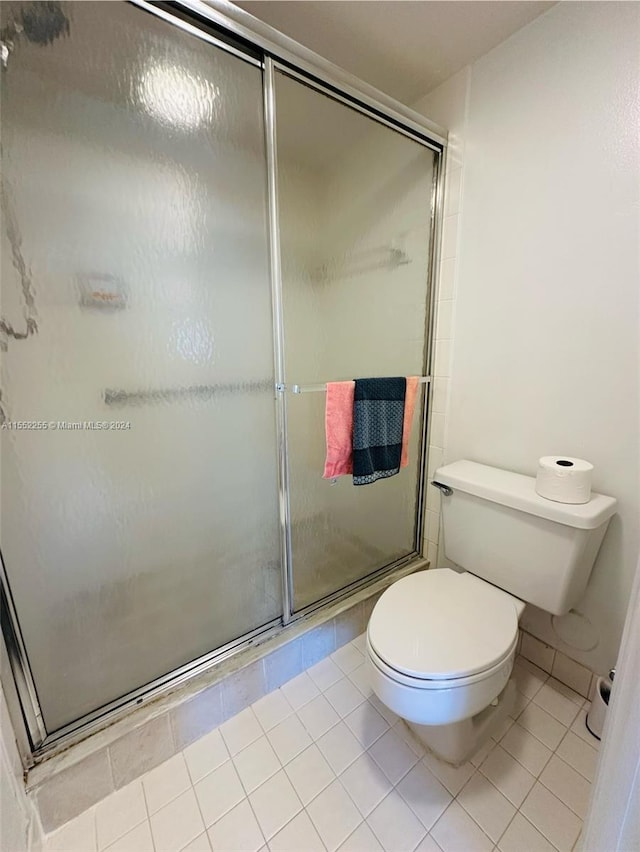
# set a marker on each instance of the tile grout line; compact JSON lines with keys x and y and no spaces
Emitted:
{"x":146,"y":807}
{"x":556,"y":795}
{"x":193,"y":787}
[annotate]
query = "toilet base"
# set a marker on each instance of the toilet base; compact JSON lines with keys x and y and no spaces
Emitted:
{"x":458,"y":742}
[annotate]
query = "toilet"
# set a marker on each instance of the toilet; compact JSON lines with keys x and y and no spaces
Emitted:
{"x":441,"y":643}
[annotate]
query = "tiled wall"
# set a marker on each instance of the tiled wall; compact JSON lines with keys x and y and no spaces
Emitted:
{"x":572,"y":674}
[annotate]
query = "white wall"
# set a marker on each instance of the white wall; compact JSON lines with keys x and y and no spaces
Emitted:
{"x":545,"y":339}
{"x":19,"y":826}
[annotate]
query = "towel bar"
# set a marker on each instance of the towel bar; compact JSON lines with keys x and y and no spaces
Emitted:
{"x":423,"y":380}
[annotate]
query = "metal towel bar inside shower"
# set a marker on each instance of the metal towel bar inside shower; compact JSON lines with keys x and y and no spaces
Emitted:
{"x":423,"y":380}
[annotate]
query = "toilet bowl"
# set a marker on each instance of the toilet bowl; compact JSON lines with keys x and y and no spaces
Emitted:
{"x":440,"y":643}
{"x":441,"y":646}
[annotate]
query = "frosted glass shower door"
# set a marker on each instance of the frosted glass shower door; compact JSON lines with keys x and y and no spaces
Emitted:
{"x":134,"y":191}
{"x":355,"y":200}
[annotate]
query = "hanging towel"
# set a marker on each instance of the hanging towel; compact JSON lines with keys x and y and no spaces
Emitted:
{"x":378,"y":420}
{"x":338,"y":422}
{"x":413,"y":382}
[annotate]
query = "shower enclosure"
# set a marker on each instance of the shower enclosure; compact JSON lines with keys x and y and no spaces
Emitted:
{"x":199,"y":230}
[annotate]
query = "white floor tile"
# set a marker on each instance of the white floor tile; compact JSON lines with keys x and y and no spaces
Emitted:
{"x":455,"y":831}
{"x":453,"y":777}
{"x":579,"y":754}
{"x":580,"y":729}
{"x":347,"y":658}
{"x":362,"y":840}
{"x":78,"y":835}
{"x":526,"y":749}
{"x":506,"y":724}
{"x":567,"y":784}
{"x":288,"y":739}
{"x":240,"y":731}
{"x":552,"y":819}
{"x":521,"y":836}
{"x":218,"y":792}
{"x":424,"y":794}
{"x":177,"y":824}
{"x":325,"y":673}
{"x":388,"y":715}
{"x":309,"y":773}
{"x":275,"y":803}
{"x":318,"y":716}
{"x":139,"y":839}
{"x":395,"y":825}
{"x":334,"y":815}
{"x":205,"y":755}
{"x":362,"y":679}
{"x":553,"y":697}
{"x":339,"y":747}
{"x":365,"y":782}
{"x":165,"y":782}
{"x":344,"y":696}
{"x":366,"y":724}
{"x":487,"y":806}
{"x":482,"y":752}
{"x":403,"y":731}
{"x":509,"y":776}
{"x":543,"y":726}
{"x":272,"y":709}
{"x":237,"y":831}
{"x":360,"y":643}
{"x":299,"y":835}
{"x":428,"y":845}
{"x":256,"y":763}
{"x":300,"y":690}
{"x":119,"y":813}
{"x":200,"y":844}
{"x":393,"y":755}
{"x":327,"y":723}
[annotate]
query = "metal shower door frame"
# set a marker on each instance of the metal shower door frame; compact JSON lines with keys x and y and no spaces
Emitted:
{"x":325,"y":87}
{"x":207,"y":21}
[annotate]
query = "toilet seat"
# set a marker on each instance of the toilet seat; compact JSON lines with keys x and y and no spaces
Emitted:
{"x":435,"y":628}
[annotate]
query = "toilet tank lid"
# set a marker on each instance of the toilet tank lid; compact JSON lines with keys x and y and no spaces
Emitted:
{"x":519,"y":492}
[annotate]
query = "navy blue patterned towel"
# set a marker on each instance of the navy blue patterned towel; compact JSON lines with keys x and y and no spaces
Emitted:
{"x":378,"y":417}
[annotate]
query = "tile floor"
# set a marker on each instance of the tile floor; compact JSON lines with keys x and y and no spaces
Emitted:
{"x":320,"y":764}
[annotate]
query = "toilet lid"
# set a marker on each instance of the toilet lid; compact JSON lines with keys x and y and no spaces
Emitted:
{"x":439,"y":624}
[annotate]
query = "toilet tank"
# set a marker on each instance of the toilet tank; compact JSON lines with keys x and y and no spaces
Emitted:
{"x":497,"y":527}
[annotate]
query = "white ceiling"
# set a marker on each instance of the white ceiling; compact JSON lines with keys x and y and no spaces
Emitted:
{"x":403,"y":48}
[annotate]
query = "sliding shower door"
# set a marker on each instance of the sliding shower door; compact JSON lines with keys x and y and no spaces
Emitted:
{"x":355,"y":203}
{"x":139,"y":496}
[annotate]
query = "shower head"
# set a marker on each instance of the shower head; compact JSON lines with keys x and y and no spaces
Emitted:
{"x":41,"y":23}
{"x":44,"y":21}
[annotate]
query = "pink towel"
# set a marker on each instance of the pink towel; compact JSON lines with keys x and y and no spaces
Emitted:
{"x":409,"y":406}
{"x":339,"y":429}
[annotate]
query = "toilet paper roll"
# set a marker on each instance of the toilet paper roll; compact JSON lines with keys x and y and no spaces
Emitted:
{"x":564,"y":479}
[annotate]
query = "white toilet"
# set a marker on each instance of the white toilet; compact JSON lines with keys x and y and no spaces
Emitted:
{"x":440,"y":643}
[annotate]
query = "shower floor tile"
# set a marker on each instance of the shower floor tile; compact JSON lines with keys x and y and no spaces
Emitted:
{"x":317,"y":766}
